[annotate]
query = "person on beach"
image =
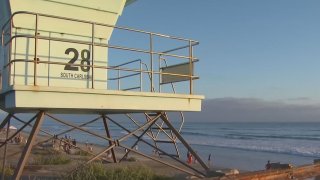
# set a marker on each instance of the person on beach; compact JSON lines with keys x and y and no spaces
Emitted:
{"x":209,"y":160}
{"x":268,"y":165}
{"x":74,"y":142}
{"x":53,"y":143}
{"x":65,"y":148}
{"x":60,"y":143}
{"x":18,"y":139}
{"x":126,"y":153}
{"x":195,"y":160}
{"x":189,"y":158}
{"x":21,"y":138}
{"x":90,"y":148}
{"x":109,"y":155}
{"x":156,"y":153}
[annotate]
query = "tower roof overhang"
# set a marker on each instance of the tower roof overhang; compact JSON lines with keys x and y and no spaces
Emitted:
{"x":128,"y":2}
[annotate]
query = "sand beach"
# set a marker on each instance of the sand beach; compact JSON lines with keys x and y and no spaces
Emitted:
{"x":33,"y":169}
{"x":233,"y":159}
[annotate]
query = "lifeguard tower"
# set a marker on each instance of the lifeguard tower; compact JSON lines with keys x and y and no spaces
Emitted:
{"x":58,"y":57}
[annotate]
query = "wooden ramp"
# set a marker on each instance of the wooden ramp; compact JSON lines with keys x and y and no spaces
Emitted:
{"x":301,"y":172}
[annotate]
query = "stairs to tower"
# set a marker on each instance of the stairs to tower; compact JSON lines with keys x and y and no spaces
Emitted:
{"x":162,"y":136}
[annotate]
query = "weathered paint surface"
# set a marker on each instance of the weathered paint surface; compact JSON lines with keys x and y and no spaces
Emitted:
{"x":64,"y":88}
{"x":99,"y":11}
{"x":61,"y":100}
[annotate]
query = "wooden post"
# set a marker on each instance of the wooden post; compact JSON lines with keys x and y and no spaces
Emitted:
{"x":184,"y":142}
{"x":109,"y":136}
{"x":146,"y":142}
{"x":7,"y":120}
{"x":27,"y":149}
{"x":4,"y":122}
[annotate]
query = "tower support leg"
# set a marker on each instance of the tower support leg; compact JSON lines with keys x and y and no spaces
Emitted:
{"x":27,"y":149}
{"x":5,"y":121}
{"x":184,"y":142}
{"x":17,"y":132}
{"x":109,"y":136}
{"x":200,"y":175}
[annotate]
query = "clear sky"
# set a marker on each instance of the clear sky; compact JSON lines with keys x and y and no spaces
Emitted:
{"x":266,"y":49}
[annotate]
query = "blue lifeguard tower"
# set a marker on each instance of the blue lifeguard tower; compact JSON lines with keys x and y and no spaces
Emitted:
{"x":58,"y":57}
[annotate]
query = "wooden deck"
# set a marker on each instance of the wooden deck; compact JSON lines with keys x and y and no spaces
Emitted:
{"x":301,"y":172}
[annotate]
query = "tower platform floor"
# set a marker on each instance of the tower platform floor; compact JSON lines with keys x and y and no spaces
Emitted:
{"x":20,"y":99}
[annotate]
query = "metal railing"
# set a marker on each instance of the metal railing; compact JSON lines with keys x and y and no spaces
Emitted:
{"x":8,"y":37}
{"x":119,"y":76}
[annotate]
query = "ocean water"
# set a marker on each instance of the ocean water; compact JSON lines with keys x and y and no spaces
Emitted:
{"x":248,"y":146}
{"x":245,"y":146}
{"x":301,"y":139}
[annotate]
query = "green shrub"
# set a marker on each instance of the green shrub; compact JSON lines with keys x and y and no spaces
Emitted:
{"x":51,"y":160}
{"x":82,"y":153}
{"x":98,"y":171}
{"x":130,"y":173}
{"x":8,"y":171}
{"x":45,"y":152}
{"x":92,"y":171}
{"x":131,"y":159}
